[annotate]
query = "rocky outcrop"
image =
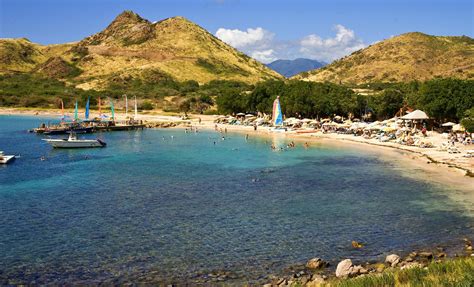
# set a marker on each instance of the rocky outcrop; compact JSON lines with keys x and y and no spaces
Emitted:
{"x":345,"y":269}
{"x":393,"y":259}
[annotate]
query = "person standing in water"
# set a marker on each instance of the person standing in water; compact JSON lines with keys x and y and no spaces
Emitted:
{"x":246,"y":137}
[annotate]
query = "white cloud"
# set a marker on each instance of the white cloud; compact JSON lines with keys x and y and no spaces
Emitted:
{"x":262,"y":45}
{"x":243,"y":39}
{"x":265,"y":56}
{"x":344,"y":43}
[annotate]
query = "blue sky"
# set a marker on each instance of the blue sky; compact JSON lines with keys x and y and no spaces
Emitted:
{"x":315,"y":29}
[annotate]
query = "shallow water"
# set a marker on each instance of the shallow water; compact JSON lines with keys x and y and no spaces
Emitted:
{"x":164,"y":205}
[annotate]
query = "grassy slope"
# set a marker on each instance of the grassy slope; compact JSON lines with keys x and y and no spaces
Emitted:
{"x":21,"y":55}
{"x":410,"y":56}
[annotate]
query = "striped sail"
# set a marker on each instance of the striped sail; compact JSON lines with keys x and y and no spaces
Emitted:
{"x":277,"y":115}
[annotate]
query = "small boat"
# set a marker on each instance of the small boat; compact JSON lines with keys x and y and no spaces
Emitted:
{"x":4,"y":159}
{"x":73,"y":142}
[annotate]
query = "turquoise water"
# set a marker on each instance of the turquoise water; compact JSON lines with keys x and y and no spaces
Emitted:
{"x":162,"y":205}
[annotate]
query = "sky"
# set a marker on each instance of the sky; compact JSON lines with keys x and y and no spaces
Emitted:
{"x":266,"y":30}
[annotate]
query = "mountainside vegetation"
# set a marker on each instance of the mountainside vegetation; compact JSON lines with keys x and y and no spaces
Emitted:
{"x":131,"y":48}
{"x":404,"y":58}
{"x":442,"y":99}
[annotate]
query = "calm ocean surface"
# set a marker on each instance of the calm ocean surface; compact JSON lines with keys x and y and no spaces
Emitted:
{"x":164,"y":205}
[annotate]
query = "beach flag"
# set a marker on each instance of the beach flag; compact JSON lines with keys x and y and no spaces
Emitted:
{"x":277,"y":115}
{"x":62,"y":110}
{"x":76,"y":118}
{"x":112,"y":110}
{"x":87,"y":108}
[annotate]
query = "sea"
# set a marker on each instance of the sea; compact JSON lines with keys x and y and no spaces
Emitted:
{"x":166,"y":206}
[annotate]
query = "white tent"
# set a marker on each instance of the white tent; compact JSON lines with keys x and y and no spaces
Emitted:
{"x":415,"y":115}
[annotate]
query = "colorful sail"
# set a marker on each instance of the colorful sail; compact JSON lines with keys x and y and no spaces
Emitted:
{"x":277,"y":115}
{"x":87,"y":109}
{"x":136,"y":109}
{"x":112,"y":110}
{"x":76,"y":118}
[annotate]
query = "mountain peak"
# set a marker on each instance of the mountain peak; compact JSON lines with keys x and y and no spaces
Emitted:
{"x":128,"y":28}
{"x":128,"y":17}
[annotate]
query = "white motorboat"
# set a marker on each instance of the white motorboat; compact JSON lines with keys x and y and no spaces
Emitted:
{"x":74,"y":142}
{"x":4,"y":159}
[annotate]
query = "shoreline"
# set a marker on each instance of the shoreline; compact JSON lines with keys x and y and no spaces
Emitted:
{"x":455,"y":168}
{"x":441,"y":172}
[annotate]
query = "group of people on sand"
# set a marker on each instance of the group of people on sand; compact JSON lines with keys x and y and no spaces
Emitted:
{"x":464,"y":138}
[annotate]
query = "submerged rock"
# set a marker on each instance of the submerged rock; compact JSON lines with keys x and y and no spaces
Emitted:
{"x":427,"y":255}
{"x":392,"y":259}
{"x":316,"y":263}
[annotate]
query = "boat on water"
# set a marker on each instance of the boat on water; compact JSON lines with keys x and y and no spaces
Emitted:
{"x":277,"y":118}
{"x":73,"y":142}
{"x":4,"y":159}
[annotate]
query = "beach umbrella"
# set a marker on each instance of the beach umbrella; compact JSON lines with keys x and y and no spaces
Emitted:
{"x":249,"y":116}
{"x":240,"y":115}
{"x":389,"y":129}
{"x":415,"y":115}
{"x":448,"y":124}
{"x":458,"y":128}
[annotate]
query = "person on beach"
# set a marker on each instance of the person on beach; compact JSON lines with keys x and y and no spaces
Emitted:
{"x":199,"y":120}
{"x":255,"y":127}
{"x":225,"y":130}
{"x":215,"y":127}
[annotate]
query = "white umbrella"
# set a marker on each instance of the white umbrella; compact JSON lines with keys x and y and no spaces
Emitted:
{"x":416,"y":115}
{"x":448,"y":124}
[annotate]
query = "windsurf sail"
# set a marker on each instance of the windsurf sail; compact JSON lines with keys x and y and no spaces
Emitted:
{"x":277,"y":115}
{"x":87,"y":109}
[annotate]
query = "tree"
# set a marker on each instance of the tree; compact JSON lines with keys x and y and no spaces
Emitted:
{"x":468,"y":121}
